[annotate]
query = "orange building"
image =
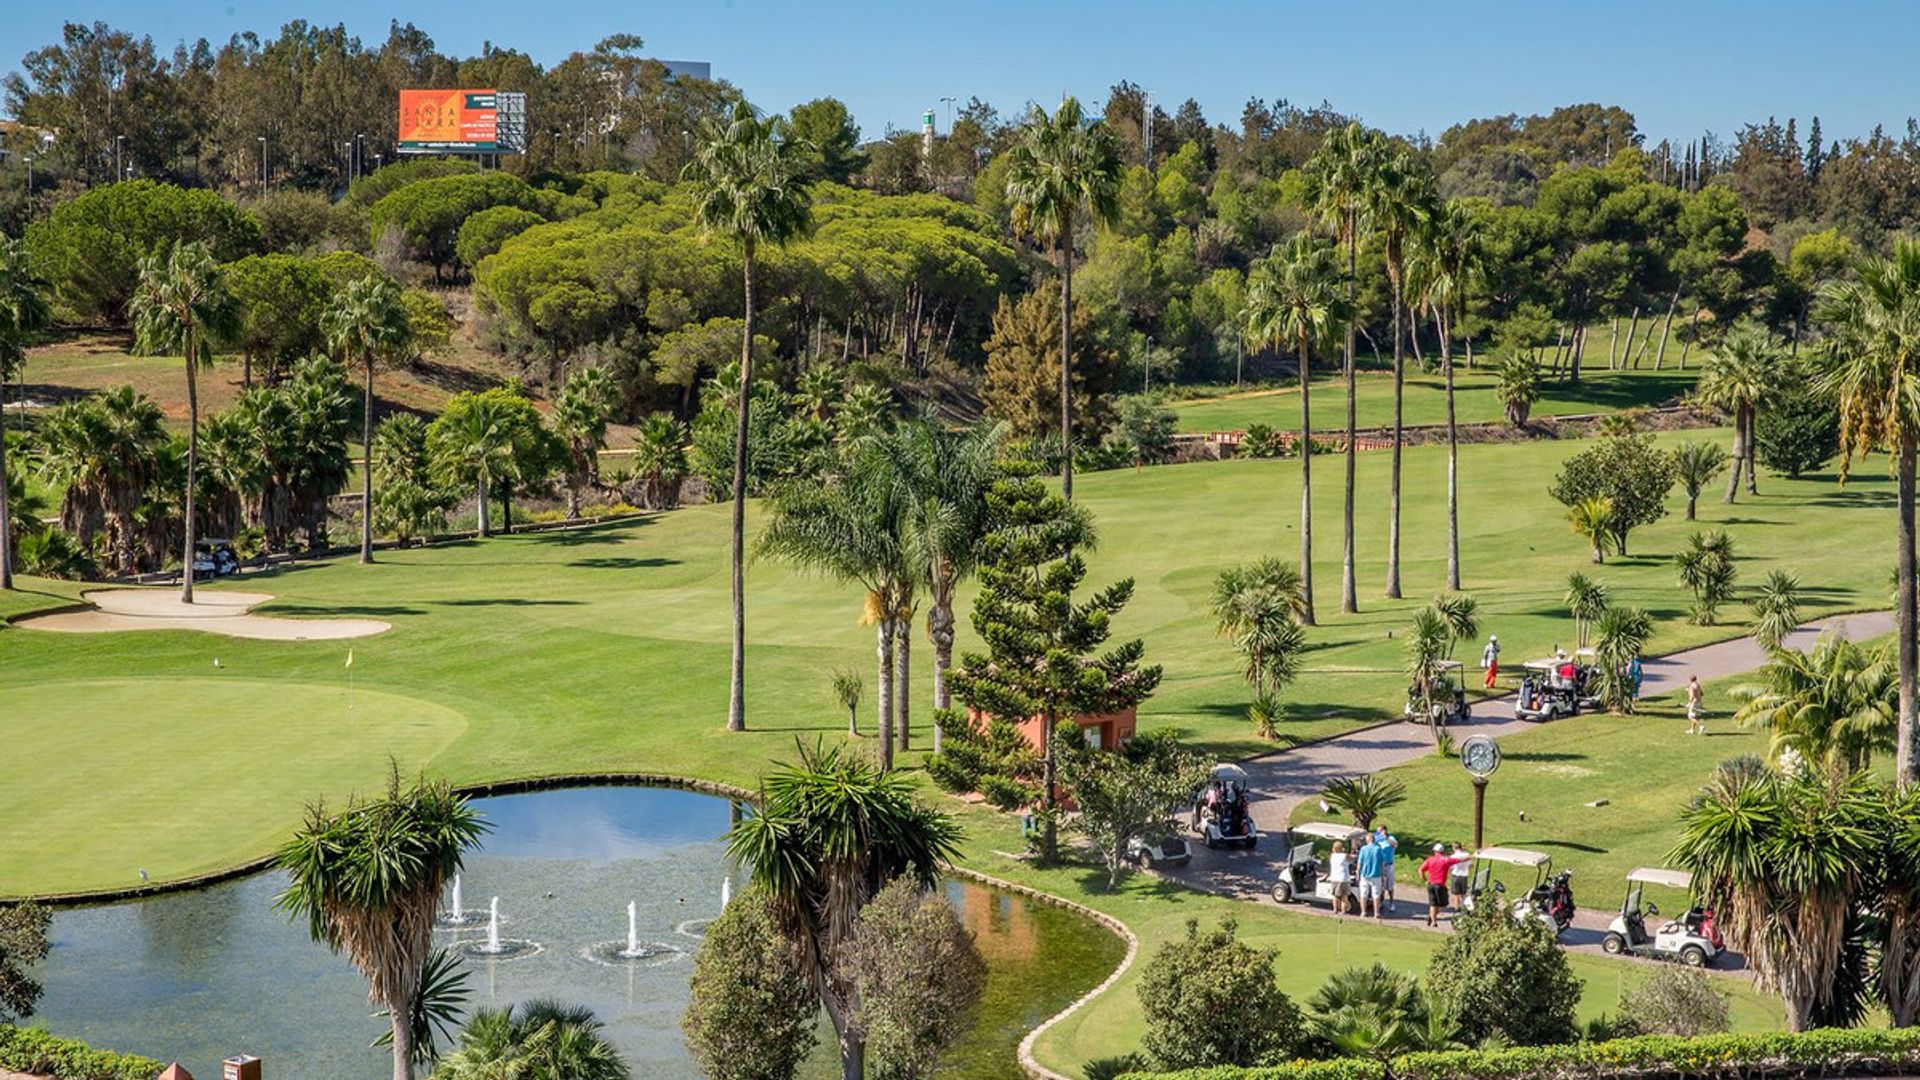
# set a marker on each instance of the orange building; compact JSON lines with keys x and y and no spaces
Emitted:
{"x":1103,"y":731}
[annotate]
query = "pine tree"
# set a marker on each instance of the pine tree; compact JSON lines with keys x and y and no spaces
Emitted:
{"x":1814,"y":158}
{"x":1040,"y":658}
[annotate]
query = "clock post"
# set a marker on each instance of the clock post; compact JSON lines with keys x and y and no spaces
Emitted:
{"x":1480,"y":756}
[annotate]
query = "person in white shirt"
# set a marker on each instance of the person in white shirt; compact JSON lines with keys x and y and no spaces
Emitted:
{"x":1340,"y":873}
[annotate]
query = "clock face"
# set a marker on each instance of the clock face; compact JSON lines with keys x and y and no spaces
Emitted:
{"x":1480,"y":755}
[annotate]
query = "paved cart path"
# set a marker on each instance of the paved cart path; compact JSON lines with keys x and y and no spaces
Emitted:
{"x":1282,"y":780}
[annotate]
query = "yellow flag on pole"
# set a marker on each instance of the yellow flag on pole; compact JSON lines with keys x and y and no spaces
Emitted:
{"x":349,"y":657}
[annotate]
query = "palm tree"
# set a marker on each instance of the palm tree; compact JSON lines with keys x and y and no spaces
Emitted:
{"x":1364,"y":797}
{"x":750,"y":180}
{"x":472,"y":442}
{"x":1400,"y":202}
{"x":1873,"y":320}
{"x":1338,"y":177}
{"x":23,"y":311}
{"x":830,"y":832}
{"x":1449,"y":259}
{"x":1696,"y":464}
{"x":1061,"y":167}
{"x":367,"y":881}
{"x":1427,"y":645}
{"x":1593,"y":519}
{"x":660,"y":461}
{"x":1776,"y":609}
{"x":1519,"y":377}
{"x":180,"y":308}
{"x":1738,"y":380}
{"x":1833,"y":707}
{"x":102,"y":454}
{"x":847,"y":690}
{"x":1462,"y":616}
{"x":944,"y":477}
{"x":1293,"y":298}
{"x":1586,"y":601}
{"x":580,"y":418}
{"x":540,"y":1040}
{"x":853,"y":527}
{"x":367,"y":322}
{"x":1620,"y":634}
{"x":1781,"y":860}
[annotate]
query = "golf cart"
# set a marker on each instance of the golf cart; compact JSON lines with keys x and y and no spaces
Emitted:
{"x":1692,"y":939}
{"x":1550,"y":899}
{"x":1305,"y":875}
{"x":214,"y":558}
{"x":1448,"y":704}
{"x":1220,"y":812}
{"x":1160,"y":851}
{"x":1553,"y":687}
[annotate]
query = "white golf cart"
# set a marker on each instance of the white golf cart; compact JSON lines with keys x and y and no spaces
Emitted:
{"x":1549,"y":898}
{"x":1447,"y":703}
{"x":1220,"y":812}
{"x":1545,"y":692}
{"x":1691,"y":939}
{"x":1305,"y":875}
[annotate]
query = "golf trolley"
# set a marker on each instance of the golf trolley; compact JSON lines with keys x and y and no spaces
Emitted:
{"x":1692,"y":939}
{"x":1447,"y":701}
{"x":1550,"y":899}
{"x":1305,"y":875}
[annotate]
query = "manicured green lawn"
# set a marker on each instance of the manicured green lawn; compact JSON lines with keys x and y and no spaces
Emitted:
{"x":1476,"y":399}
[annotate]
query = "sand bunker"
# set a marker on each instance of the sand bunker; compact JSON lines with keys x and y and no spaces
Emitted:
{"x":226,"y":613}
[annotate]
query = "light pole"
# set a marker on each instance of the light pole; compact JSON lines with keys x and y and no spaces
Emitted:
{"x":949,"y":99}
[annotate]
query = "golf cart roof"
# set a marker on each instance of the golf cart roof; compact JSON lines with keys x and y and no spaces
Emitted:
{"x":1513,"y":856}
{"x":1545,"y":663}
{"x":1447,"y":665}
{"x":1672,"y":879}
{"x":1329,"y":830}
{"x":1228,"y":772}
{"x":1585,"y":653}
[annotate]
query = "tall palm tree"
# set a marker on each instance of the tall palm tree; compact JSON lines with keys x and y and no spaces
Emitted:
{"x":1293,"y":297}
{"x":180,"y":308}
{"x":945,"y":476}
{"x":580,"y":418}
{"x":1063,"y":166}
{"x":1873,"y":366}
{"x":1834,"y":707}
{"x":366,"y":322}
{"x":1338,"y":177}
{"x":1399,"y":202}
{"x":1738,"y":380}
{"x":23,"y":311}
{"x":750,"y":180}
{"x":830,"y":832}
{"x":1448,"y":262}
{"x":539,"y":1040}
{"x":853,"y":527}
{"x":367,"y":881}
{"x":1780,"y":860}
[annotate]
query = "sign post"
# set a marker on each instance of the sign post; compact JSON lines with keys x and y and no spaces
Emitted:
{"x":1480,"y":756}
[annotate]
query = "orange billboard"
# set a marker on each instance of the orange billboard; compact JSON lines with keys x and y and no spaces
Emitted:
{"x":450,"y":120}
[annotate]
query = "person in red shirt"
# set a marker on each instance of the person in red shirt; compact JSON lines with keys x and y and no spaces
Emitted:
{"x":1435,"y":870}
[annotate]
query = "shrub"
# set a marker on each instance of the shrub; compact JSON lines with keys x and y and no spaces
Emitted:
{"x":1677,"y":1001}
{"x":956,"y":768}
{"x":1005,"y":793}
{"x":1262,"y":441}
{"x":1798,"y":434}
{"x":32,"y":1050}
{"x":1505,"y":977}
{"x":1212,"y":1000}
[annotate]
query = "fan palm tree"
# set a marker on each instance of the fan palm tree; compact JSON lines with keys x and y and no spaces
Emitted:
{"x":944,"y":477}
{"x":1519,"y":377}
{"x":1586,"y":601}
{"x":580,"y":418}
{"x":830,"y":832}
{"x":1780,"y":860}
{"x":367,"y":882}
{"x":853,"y":527}
{"x":1293,"y":298}
{"x":1738,"y":380}
{"x":1620,"y":634}
{"x":1696,"y":464}
{"x":367,"y":323}
{"x":750,"y":184}
{"x":1399,"y":202}
{"x":540,"y":1040}
{"x":660,"y":460}
{"x":23,"y":311}
{"x":102,"y":454}
{"x":472,"y":442}
{"x":1063,"y":166}
{"x":180,"y":308}
{"x":1833,"y":707}
{"x":1339,"y":176}
{"x":1873,"y":347}
{"x":1776,"y":609}
{"x":1593,"y":519}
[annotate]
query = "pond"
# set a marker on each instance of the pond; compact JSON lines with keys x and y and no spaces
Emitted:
{"x":197,"y":976}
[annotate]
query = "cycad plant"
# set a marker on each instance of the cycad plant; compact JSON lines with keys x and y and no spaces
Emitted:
{"x":1586,"y":599}
{"x":1365,"y":797}
{"x":1776,"y":609}
{"x":540,"y":1040}
{"x":1706,"y":568}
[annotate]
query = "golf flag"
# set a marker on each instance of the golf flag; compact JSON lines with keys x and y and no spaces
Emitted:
{"x":349,"y":657}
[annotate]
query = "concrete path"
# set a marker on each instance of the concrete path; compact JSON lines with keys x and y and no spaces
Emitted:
{"x":1282,"y":780}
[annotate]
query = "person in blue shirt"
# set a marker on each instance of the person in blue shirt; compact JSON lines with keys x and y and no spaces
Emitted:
{"x":1369,"y":861}
{"x":1389,"y":845}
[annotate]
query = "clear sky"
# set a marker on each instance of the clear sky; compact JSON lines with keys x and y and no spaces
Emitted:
{"x":1681,"y":66}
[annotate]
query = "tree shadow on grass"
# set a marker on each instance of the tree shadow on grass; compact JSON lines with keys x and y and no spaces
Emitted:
{"x":1544,"y":756}
{"x":619,"y":562}
{"x":506,"y":601}
{"x":374,"y":610}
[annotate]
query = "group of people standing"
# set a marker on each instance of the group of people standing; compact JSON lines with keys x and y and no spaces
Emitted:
{"x":1367,"y":871}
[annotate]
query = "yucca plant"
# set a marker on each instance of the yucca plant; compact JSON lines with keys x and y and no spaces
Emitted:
{"x":1776,"y":609}
{"x":1364,"y":797}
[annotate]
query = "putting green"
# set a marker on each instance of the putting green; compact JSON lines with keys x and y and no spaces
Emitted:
{"x":181,"y":776}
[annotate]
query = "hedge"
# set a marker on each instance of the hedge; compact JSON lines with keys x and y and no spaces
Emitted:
{"x":31,"y":1050}
{"x":1833,"y":1052}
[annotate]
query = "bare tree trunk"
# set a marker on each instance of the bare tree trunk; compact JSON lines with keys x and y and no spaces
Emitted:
{"x":480,"y":486}
{"x":1626,"y":353}
{"x":1453,"y":460}
{"x":1066,"y":364}
{"x":366,"y":468}
{"x":1613,"y":345}
{"x":1393,"y":480}
{"x":1693,"y":331}
{"x":1577,"y":349}
{"x":1905,"y":769}
{"x":1559,"y":342}
{"x":1666,"y":328}
{"x":883,"y":689}
{"x":193,"y":464}
{"x":1753,"y":420}
{"x":1306,"y":487}
{"x":6,"y":511}
{"x":737,"y":691}
{"x":402,"y":1020}
{"x":903,"y":695}
{"x":940,"y":627}
{"x":1739,"y":453}
{"x":1349,"y":591}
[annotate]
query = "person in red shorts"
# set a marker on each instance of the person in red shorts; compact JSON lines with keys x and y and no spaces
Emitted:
{"x":1435,"y":870}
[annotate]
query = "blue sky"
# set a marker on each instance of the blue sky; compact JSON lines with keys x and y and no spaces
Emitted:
{"x":1681,"y":66}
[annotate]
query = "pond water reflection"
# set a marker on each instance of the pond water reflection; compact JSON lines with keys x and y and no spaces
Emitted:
{"x":197,"y":976}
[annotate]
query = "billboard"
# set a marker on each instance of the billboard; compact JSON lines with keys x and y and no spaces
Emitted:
{"x":462,"y":122}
